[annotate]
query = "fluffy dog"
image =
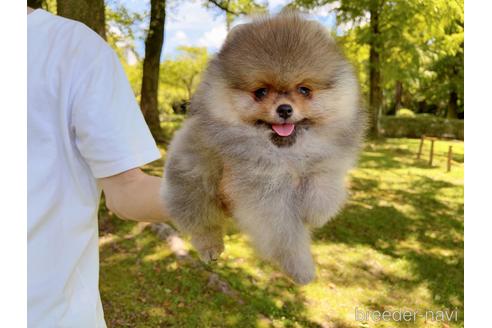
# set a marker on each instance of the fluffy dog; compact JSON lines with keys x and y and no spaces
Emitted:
{"x":274,"y":127}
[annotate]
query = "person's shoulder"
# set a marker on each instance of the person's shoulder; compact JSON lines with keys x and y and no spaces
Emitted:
{"x":76,"y":38}
{"x":85,"y":49}
{"x":83,"y":38}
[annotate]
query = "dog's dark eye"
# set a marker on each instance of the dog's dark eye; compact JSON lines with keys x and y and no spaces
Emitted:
{"x":304,"y":91}
{"x":261,"y":93}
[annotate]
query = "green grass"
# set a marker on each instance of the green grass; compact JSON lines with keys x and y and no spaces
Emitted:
{"x":397,"y":245}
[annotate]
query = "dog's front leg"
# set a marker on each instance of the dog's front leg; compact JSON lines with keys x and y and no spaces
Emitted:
{"x":322,"y":199}
{"x":280,"y":237}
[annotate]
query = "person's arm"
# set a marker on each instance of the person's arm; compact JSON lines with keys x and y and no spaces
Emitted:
{"x":110,"y":131}
{"x":134,"y":195}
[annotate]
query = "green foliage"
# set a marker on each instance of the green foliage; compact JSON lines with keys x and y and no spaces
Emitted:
{"x":405,"y":112}
{"x":170,"y":124}
{"x":420,"y":42}
{"x":184,"y":72}
{"x":121,"y":36}
{"x":134,"y":74}
{"x":120,"y":30}
{"x":48,"y":5}
{"x":422,"y":124}
{"x":179,"y":77}
{"x":397,"y":244}
{"x":236,"y":8}
{"x":358,"y":55}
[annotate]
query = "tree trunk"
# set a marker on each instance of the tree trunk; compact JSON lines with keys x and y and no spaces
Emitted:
{"x":89,"y":12}
{"x":422,"y":106}
{"x":35,"y":4}
{"x":453,"y":105}
{"x":398,"y":95}
{"x":375,"y":91}
{"x":151,"y":66}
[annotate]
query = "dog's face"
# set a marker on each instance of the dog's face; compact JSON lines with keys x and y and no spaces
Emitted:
{"x":283,"y":75}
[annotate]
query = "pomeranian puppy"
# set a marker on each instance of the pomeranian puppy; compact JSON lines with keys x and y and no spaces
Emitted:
{"x":274,"y":127}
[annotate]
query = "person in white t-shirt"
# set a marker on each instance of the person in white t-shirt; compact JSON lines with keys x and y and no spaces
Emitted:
{"x":86,"y":134}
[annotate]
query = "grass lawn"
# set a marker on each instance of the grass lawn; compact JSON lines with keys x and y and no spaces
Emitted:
{"x":397,"y":245}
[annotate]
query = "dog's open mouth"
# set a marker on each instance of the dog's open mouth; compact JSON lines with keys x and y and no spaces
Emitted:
{"x":284,"y":135}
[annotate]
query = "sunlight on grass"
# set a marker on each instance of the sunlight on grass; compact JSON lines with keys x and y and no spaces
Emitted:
{"x":397,"y":245}
{"x":160,"y":252}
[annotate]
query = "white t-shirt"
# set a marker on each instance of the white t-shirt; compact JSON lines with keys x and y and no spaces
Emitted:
{"x":83,"y":124}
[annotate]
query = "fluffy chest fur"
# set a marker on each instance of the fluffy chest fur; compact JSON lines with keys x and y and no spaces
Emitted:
{"x":282,"y":180}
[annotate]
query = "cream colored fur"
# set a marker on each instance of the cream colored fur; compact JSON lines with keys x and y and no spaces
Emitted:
{"x":226,"y":160}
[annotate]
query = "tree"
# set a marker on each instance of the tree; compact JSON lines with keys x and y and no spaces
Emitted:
{"x":35,"y":4}
{"x":403,"y":37}
{"x":89,"y":12}
{"x":48,"y":5}
{"x":151,"y":67}
{"x":120,"y":29}
{"x":184,"y":72}
{"x":375,"y":91}
{"x":180,"y":78}
{"x":435,"y":81}
{"x":448,"y":65}
{"x":357,"y":12}
{"x":235,"y":8}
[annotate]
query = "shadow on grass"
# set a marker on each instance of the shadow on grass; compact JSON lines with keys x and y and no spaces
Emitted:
{"x":429,"y":238}
{"x":436,"y":228}
{"x":376,"y":159}
{"x":181,"y":294}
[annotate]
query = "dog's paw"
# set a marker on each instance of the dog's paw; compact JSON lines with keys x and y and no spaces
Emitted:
{"x":210,"y":254}
{"x":208,"y":247}
{"x":300,"y":269}
{"x":302,"y":276}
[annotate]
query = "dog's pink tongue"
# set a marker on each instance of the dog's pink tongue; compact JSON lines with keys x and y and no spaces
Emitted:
{"x":283,"y":130}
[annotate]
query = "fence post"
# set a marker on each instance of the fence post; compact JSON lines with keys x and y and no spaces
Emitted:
{"x":420,"y":147}
{"x":450,"y":157}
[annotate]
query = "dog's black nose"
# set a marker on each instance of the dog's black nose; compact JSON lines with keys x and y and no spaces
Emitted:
{"x":284,"y":111}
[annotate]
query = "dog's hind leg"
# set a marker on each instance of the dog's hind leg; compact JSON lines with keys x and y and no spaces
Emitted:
{"x":191,"y":178}
{"x":195,"y":211}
